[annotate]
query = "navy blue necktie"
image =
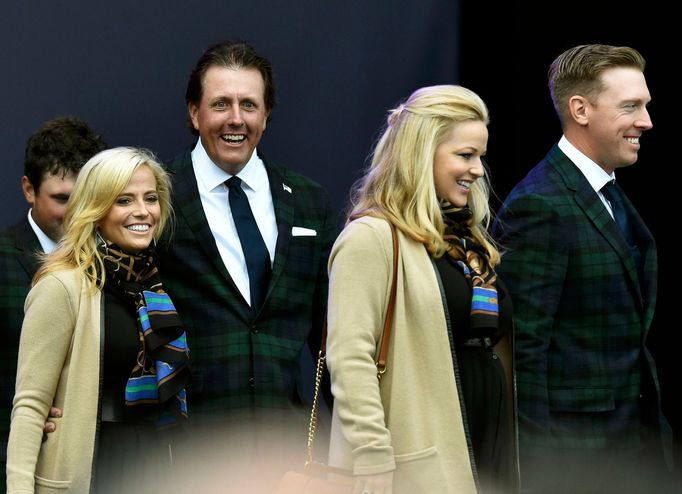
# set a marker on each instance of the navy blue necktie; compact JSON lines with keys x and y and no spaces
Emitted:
{"x":253,"y":246}
{"x":615,"y":198}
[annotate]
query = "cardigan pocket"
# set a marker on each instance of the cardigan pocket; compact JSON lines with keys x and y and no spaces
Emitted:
{"x":48,"y":485}
{"x":581,"y":400}
{"x":419,"y":471}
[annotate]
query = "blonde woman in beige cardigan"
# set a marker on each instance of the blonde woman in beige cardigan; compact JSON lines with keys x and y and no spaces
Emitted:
{"x":440,"y":418}
{"x":98,"y":329}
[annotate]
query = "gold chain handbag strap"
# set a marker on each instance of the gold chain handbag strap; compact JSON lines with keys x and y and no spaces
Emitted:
{"x":380,"y":363}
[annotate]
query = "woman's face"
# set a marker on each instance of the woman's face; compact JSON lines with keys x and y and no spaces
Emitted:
{"x":458,"y":163}
{"x":131,"y":221}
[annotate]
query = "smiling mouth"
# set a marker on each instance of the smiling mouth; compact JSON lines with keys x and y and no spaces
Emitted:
{"x":632,"y":140}
{"x":233,"y":138}
{"x":138,"y":228}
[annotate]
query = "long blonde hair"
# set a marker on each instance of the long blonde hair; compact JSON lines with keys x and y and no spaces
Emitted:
{"x":99,"y":183}
{"x":399,"y":184}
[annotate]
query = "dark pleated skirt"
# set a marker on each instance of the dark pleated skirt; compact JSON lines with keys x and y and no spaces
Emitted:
{"x":484,"y":388}
{"x":132,"y":458}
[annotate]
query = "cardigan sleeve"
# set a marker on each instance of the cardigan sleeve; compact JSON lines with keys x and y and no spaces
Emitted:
{"x":46,"y":337}
{"x":360,"y":268}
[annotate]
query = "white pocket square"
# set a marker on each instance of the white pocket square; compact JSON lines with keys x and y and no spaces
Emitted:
{"x":299,"y":231}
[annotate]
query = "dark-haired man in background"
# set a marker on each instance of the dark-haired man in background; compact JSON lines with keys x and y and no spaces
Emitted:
{"x":54,"y":155}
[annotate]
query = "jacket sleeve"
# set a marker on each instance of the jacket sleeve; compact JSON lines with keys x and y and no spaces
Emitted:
{"x":534,"y":264}
{"x":328,"y":235}
{"x":46,"y":338}
{"x":360,"y":272}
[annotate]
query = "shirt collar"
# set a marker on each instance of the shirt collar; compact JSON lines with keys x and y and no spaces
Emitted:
{"x":253,"y":174}
{"x":594,"y":173}
{"x":46,"y":243}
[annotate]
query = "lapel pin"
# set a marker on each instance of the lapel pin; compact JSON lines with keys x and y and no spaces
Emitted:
{"x":286,"y":187}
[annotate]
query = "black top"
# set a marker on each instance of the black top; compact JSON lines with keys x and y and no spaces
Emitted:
{"x":483,"y":381}
{"x":120,"y":353}
{"x":458,"y":295}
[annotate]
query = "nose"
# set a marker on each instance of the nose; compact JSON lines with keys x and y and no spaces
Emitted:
{"x":234,"y":117}
{"x":141,"y":210}
{"x":477,"y":169}
{"x":644,"y":120}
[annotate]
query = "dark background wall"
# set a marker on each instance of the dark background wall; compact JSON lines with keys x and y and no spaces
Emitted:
{"x":505,"y":55}
{"x":123,"y":67}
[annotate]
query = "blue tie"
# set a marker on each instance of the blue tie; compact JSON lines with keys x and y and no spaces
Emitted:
{"x":613,"y":194}
{"x":253,"y":246}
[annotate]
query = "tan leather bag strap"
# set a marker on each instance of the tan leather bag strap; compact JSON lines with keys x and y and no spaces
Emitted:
{"x":381,"y":359}
{"x":388,"y":323}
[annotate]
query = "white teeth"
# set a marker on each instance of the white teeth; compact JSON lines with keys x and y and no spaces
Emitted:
{"x":632,"y":140}
{"x":232,"y":138}
{"x":138,"y":228}
{"x":464,"y":184}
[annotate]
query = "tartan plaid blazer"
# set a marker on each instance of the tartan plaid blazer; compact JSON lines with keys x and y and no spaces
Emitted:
{"x":18,"y":264}
{"x":581,"y":312}
{"x":242,"y":362}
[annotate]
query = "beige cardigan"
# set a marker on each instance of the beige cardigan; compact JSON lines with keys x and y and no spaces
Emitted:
{"x":59,"y":362}
{"x":412,"y":422}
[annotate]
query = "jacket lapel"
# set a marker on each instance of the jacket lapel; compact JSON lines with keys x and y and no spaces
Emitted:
{"x":282,"y":200}
{"x":647,"y":246}
{"x":588,"y":200}
{"x":27,"y":244}
{"x":188,"y":204}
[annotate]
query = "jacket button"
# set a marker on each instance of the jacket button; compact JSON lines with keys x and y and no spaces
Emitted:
{"x":252,"y":382}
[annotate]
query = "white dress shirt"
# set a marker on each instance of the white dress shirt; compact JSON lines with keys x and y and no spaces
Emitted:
{"x":594,"y":173}
{"x":46,"y":243}
{"x":213,"y":193}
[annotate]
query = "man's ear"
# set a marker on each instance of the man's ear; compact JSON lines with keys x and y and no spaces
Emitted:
{"x":579,"y":110}
{"x":28,"y":190}
{"x":193,"y":110}
{"x":265,"y":120}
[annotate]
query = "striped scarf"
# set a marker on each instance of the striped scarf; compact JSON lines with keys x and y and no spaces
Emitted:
{"x":472,"y":259}
{"x":161,"y":373}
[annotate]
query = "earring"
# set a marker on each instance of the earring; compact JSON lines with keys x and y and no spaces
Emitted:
{"x":101,"y":242}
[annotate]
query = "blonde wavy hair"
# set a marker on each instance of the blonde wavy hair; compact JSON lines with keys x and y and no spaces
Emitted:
{"x":99,"y":183}
{"x":399,"y":183}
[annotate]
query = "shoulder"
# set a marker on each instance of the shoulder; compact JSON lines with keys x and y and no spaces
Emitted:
{"x":68,"y":280}
{"x":19,"y":234}
{"x":180,"y":161}
{"x":8,"y":240}
{"x":291,"y":179}
{"x":364,"y":238}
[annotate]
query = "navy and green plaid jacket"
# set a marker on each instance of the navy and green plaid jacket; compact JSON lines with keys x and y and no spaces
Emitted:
{"x":243,"y":363}
{"x":581,"y":315}
{"x":18,"y":264}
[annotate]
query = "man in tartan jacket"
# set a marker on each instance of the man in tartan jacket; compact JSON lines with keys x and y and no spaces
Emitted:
{"x":245,"y":358}
{"x":588,"y":395}
{"x":54,"y":155}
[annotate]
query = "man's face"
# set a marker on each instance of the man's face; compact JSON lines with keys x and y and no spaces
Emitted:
{"x":618,"y":118}
{"x":49,"y":202}
{"x":231,"y":115}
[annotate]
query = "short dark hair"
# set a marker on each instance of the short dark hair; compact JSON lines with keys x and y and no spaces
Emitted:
{"x":231,"y":55}
{"x":61,"y":145}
